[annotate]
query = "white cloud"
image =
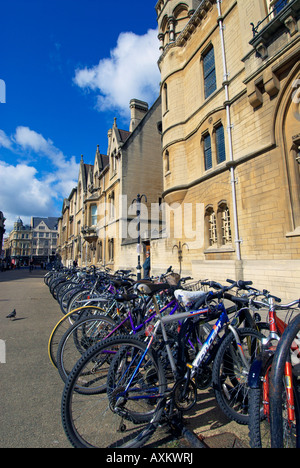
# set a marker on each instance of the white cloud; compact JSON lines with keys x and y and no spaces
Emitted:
{"x":5,"y":141}
{"x":22,"y":194}
{"x":65,"y":172}
{"x":29,"y":139}
{"x":130,"y":72}
{"x":26,"y":191}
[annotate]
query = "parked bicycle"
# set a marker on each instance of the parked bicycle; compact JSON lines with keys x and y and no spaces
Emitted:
{"x":109,"y":303}
{"x":124,"y":386}
{"x":282,"y":418}
{"x":259,"y":379}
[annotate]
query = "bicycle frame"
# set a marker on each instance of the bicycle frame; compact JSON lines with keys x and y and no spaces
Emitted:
{"x":222,"y":322}
{"x":136,"y":329}
{"x":277,"y":327}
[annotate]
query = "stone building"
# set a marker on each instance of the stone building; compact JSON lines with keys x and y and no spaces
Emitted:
{"x":218,"y":153}
{"x":230,"y":76}
{"x":98,"y":223}
{"x":18,"y":246}
{"x":2,"y":231}
{"x":44,"y":239}
{"x":36,"y":241}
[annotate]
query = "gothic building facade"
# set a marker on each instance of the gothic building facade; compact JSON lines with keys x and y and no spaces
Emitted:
{"x":230,"y":77}
{"x":219,"y":150}
{"x":99,"y":223}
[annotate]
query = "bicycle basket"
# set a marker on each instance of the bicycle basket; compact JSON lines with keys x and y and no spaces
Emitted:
{"x":173,"y":279}
{"x":194,"y":286}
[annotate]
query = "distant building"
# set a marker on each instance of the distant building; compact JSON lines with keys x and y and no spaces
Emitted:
{"x":44,"y":239}
{"x":36,"y":241}
{"x":96,"y":226}
{"x":19,"y":243}
{"x":2,"y":231}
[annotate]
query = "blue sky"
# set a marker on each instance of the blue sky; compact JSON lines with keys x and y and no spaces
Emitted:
{"x":69,"y":67}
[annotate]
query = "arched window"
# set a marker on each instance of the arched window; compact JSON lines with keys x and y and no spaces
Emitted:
{"x":111,"y":198}
{"x":167,"y":162}
{"x":211,"y":227}
{"x":165,"y":98}
{"x":220,"y":144}
{"x":99,"y":252}
{"x":111,"y":252}
{"x":224,"y":223}
{"x":207,"y":151}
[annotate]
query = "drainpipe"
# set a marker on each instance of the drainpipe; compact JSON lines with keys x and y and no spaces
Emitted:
{"x":229,"y":130}
{"x":104,"y":234}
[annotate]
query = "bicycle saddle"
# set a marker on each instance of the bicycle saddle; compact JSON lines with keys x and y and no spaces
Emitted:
{"x":152,"y":288}
{"x":188,"y":297}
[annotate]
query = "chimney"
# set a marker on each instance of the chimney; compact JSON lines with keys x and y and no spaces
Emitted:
{"x":138,"y":111}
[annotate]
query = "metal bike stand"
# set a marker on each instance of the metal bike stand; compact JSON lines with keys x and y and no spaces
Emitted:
{"x":178,"y":428}
{"x":276,"y":382}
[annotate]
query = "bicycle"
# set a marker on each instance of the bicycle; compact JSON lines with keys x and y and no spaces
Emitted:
{"x":287,"y":353}
{"x":141,"y":381}
{"x":88,"y":330}
{"x":88,"y":307}
{"x":64,"y":324}
{"x":259,"y":379}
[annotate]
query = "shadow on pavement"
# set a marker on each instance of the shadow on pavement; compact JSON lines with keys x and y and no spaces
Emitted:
{"x":22,"y":273}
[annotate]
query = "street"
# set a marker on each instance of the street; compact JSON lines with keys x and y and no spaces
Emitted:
{"x":31,"y":389}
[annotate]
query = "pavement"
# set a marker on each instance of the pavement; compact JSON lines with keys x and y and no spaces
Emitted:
{"x":31,"y":388}
{"x":30,"y":391}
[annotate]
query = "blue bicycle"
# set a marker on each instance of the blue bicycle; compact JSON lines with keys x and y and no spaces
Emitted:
{"x":145,"y":380}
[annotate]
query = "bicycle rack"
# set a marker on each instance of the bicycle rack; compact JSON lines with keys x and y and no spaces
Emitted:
{"x":276,"y":382}
{"x":177,"y":425}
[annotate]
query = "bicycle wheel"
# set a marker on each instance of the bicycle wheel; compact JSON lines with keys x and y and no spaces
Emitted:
{"x":78,"y":338}
{"x":64,"y":324}
{"x":114,"y":396}
{"x":259,"y":428}
{"x":66,"y":298}
{"x":230,"y":373}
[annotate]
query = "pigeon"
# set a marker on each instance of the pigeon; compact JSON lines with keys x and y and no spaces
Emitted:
{"x":12,"y":314}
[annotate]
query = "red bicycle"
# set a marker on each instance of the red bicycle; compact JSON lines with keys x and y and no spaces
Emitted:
{"x":259,"y":379}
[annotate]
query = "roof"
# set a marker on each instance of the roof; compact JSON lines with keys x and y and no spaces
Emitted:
{"x":50,"y":222}
{"x":102,"y":159}
{"x":124,"y":134}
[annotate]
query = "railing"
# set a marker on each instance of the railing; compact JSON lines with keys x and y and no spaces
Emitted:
{"x":279,"y":5}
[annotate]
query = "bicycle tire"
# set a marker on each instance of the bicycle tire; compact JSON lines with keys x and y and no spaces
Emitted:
{"x":83,"y":334}
{"x":230,"y":377}
{"x":91,"y":419}
{"x":64,"y":324}
{"x":259,"y":428}
{"x":66,"y":297}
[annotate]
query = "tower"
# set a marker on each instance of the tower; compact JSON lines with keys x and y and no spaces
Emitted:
{"x":138,"y":111}
{"x":172,"y":17}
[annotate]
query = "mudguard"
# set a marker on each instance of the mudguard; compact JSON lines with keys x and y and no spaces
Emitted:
{"x":257,"y":369}
{"x":255,"y":373}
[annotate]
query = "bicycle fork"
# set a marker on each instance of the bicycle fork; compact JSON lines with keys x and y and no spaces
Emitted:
{"x":289,"y":394}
